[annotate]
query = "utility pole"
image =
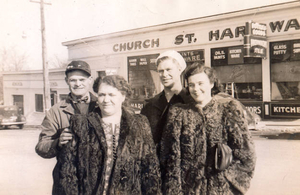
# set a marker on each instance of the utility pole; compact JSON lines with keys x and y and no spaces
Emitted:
{"x":47,"y":98}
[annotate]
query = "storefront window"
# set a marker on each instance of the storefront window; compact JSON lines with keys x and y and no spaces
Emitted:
{"x":144,"y":78}
{"x":285,"y":70}
{"x":239,"y":76}
{"x":39,"y":107}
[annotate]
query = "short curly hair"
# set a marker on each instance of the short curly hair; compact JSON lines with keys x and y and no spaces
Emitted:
{"x":116,"y":81}
{"x":196,"y":68}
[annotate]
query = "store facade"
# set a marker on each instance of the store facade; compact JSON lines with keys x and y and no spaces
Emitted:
{"x":268,"y":85}
{"x":25,"y":89}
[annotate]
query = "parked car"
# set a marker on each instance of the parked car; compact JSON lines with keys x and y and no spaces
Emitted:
{"x":10,"y":115}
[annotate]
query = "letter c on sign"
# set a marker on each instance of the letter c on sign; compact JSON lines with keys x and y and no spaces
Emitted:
{"x":115,"y":48}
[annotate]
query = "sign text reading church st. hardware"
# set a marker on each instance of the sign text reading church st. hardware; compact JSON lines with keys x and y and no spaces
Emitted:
{"x":278,"y":26}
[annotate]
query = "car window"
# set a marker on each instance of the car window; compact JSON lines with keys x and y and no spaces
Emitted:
{"x":8,"y":111}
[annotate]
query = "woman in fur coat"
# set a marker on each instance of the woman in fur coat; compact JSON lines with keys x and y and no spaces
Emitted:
{"x":189,"y":161}
{"x":112,"y":151}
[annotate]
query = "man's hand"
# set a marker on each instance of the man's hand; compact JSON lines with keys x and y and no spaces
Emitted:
{"x":65,"y":137}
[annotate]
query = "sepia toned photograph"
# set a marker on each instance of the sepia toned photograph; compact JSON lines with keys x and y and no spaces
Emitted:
{"x":104,"y":97}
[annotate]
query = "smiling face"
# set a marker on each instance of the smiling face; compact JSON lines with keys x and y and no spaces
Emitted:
{"x":200,"y":87}
{"x":169,"y":73}
{"x":110,"y":99}
{"x":79,"y":83}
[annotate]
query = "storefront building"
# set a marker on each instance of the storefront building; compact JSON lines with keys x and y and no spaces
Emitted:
{"x":262,"y":69}
{"x":25,"y":89}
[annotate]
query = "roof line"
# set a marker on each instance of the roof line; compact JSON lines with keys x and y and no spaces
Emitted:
{"x":169,"y":25}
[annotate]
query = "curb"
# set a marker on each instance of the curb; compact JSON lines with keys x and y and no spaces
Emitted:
{"x":33,"y":126}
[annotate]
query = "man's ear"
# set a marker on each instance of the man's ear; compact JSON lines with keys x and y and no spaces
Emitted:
{"x":91,"y":79}
{"x":66,"y":79}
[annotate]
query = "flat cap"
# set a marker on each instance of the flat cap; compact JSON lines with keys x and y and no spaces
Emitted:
{"x":79,"y":65}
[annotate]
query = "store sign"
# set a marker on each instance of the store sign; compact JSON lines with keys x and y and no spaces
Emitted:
{"x":295,"y":50}
{"x":257,"y":30}
{"x":192,"y":56}
{"x":278,"y":25}
{"x":220,"y":35}
{"x":280,"y":51}
{"x":219,"y":56}
{"x":285,"y":51}
{"x":254,"y":107}
{"x":255,"y":42}
{"x":285,"y":110}
{"x":179,"y":39}
{"x":17,"y":84}
{"x":53,"y":84}
{"x":235,"y":55}
{"x":136,"y":45}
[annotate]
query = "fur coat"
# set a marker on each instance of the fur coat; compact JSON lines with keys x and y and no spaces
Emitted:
{"x":82,"y":163}
{"x":188,"y":149}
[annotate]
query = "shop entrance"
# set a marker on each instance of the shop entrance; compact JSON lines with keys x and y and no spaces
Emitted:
{"x":19,"y":101}
{"x":53,"y":97}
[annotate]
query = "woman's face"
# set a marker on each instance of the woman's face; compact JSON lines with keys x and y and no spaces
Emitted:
{"x":200,"y":87}
{"x":110,"y":99}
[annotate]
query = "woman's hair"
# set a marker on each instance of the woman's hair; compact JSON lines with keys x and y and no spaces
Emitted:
{"x":197,"y":68}
{"x":116,"y":81}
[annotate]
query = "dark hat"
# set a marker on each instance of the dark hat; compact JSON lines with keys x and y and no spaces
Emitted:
{"x":78,"y":65}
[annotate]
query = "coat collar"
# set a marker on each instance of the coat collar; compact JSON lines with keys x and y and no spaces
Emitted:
{"x":67,"y":105}
{"x":160,"y":100}
{"x":126,"y":122}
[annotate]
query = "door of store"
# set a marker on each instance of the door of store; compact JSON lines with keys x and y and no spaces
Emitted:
{"x":19,"y":101}
{"x":53,"y":97}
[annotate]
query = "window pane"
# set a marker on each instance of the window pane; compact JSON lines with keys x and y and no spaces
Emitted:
{"x":285,"y":70}
{"x":245,"y":80}
{"x":39,"y":104}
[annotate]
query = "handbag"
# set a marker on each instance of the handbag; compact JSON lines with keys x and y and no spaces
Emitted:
{"x":223,"y":156}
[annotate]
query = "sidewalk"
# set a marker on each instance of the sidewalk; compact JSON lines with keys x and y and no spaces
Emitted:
{"x":276,"y":126}
{"x":34,"y":120}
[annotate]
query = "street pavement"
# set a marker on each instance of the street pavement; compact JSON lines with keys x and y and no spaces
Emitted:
{"x":277,"y":169}
{"x":23,"y":172}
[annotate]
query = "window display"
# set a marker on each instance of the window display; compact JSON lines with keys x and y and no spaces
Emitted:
{"x":285,"y":69}
{"x":240,"y":77}
{"x":144,"y":78}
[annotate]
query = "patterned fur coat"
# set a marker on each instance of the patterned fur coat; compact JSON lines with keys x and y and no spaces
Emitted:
{"x":188,"y":149}
{"x":82,"y":163}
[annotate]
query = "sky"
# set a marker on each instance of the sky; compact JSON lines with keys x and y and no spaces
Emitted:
{"x":67,"y":20}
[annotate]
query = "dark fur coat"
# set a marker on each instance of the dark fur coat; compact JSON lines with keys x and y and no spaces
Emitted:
{"x":82,"y":163}
{"x":188,"y":149}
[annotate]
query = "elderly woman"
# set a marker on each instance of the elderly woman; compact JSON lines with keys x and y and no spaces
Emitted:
{"x":112,"y":151}
{"x":192,"y":162}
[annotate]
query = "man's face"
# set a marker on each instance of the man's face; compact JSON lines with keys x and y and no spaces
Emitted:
{"x":169,"y":73}
{"x":79,"y":83}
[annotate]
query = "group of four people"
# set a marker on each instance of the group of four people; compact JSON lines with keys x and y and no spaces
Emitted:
{"x":170,"y":148}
